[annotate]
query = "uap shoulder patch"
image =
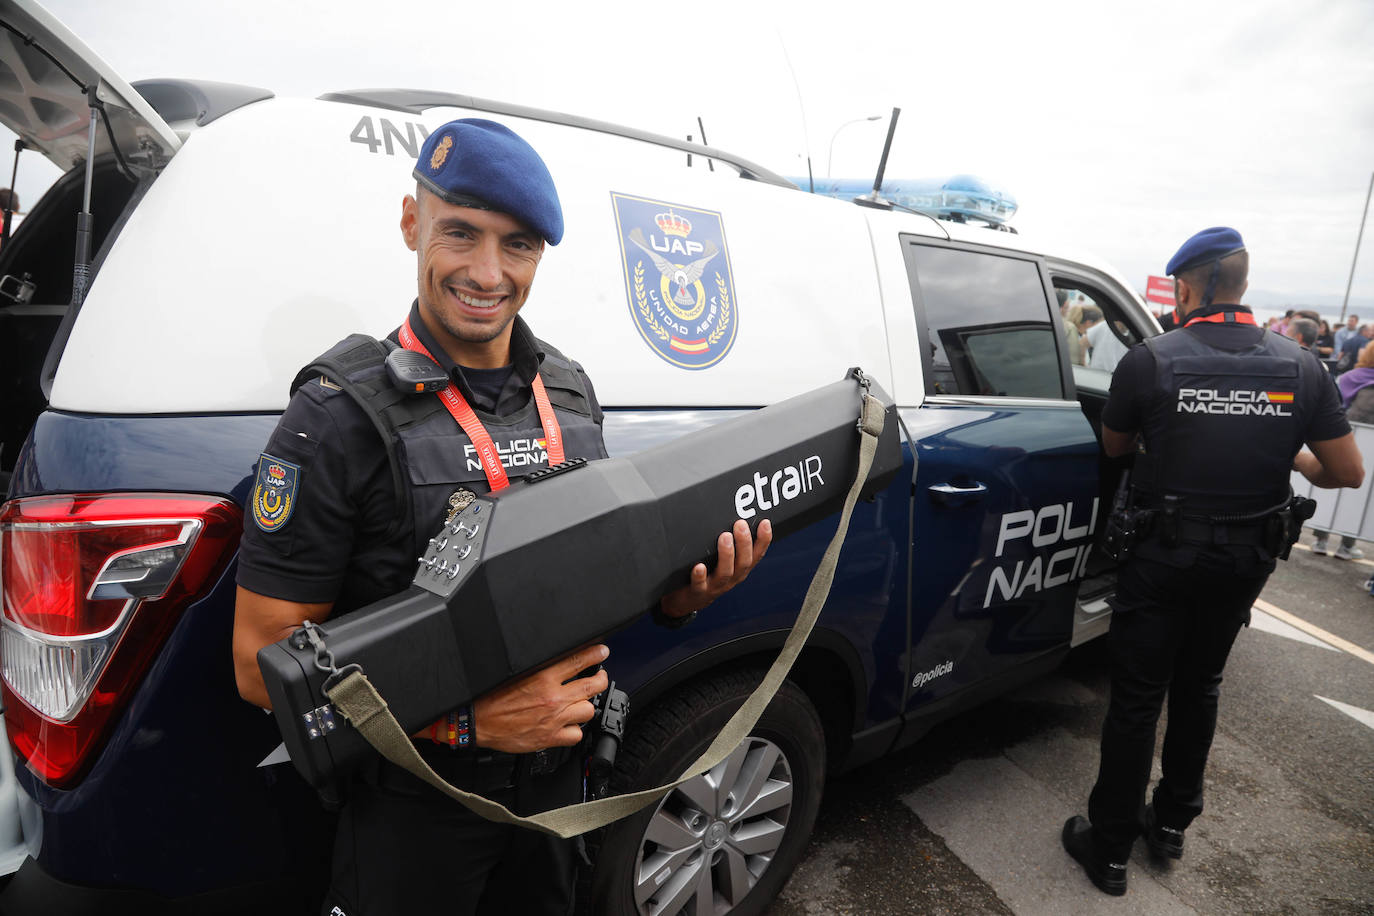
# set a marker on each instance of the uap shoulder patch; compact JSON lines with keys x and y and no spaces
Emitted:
{"x":678,"y":279}
{"x":274,"y":492}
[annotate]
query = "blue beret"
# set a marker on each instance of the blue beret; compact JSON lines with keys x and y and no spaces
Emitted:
{"x":476,"y":163}
{"x":1207,"y":246}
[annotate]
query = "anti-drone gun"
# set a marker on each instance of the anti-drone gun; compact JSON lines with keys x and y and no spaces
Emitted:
{"x":567,"y":556}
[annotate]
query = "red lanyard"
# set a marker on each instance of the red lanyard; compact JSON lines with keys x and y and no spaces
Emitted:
{"x":481,"y":440}
{"x":1225,"y":318}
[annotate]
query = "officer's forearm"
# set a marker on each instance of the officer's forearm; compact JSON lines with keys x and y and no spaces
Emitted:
{"x":1331,"y":463}
{"x":1116,"y":443}
{"x":260,"y":621}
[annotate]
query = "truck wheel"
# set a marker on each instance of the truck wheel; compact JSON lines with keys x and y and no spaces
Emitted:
{"x":726,"y":841}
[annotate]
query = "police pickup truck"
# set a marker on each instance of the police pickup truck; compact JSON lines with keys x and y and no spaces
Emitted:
{"x":141,"y":385}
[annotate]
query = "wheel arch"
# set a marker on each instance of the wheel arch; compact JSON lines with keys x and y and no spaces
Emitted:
{"x":828,"y":670}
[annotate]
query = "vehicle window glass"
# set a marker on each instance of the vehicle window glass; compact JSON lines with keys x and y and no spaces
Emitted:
{"x":987,"y":325}
{"x":1094,"y":329}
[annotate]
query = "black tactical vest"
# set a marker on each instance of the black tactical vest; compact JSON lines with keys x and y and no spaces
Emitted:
{"x":1223,"y":425}
{"x":430,"y":456}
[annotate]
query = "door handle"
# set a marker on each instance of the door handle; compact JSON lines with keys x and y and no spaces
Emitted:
{"x":949,"y":494}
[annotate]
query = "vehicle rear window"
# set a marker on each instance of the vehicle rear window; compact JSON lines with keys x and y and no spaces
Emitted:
{"x":986,"y":324}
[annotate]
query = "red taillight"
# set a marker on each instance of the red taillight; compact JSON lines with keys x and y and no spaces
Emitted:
{"x":91,"y":587}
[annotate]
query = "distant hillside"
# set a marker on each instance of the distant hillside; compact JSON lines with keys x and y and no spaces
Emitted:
{"x":1326,"y":303}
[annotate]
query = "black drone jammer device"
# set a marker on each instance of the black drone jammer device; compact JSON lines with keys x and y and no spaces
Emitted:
{"x":565,"y":557}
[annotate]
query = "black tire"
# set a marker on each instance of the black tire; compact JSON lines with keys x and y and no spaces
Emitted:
{"x":741,"y":854}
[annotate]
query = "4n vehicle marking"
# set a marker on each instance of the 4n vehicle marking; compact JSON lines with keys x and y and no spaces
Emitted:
{"x":409,"y":141}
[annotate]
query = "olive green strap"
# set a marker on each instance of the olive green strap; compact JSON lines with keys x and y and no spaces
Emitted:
{"x":358,"y":701}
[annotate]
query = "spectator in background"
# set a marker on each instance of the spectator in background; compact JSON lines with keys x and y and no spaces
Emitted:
{"x":1105,"y":349}
{"x":1072,"y":336}
{"x":1325,"y":344}
{"x":1304,"y":331}
{"x":1357,"y":396}
{"x":1349,"y":352}
{"x":1357,"y":380}
{"x":1352,"y":327}
{"x":1282,"y":326}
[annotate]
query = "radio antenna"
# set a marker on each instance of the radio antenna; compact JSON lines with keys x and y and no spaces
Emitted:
{"x":874,"y":198}
{"x":801,"y":107}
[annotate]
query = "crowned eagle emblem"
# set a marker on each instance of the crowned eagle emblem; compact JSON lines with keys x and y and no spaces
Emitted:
{"x":681,"y":278}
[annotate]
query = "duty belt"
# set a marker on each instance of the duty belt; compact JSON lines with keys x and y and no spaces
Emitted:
{"x":1197,"y":531}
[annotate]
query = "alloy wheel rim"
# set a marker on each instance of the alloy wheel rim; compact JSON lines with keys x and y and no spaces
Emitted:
{"x":711,"y":839}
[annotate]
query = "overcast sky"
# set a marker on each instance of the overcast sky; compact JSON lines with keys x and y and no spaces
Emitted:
{"x":1121,"y":128}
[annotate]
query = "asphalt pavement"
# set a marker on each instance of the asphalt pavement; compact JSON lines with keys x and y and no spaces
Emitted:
{"x":967,"y":820}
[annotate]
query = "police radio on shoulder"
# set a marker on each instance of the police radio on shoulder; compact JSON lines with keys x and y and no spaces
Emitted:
{"x":414,"y":372}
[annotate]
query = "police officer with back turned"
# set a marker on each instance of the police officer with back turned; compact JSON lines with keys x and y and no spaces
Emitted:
{"x":362,"y":470}
{"x":1221,"y":409}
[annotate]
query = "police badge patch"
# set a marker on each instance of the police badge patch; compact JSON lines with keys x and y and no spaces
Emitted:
{"x":436,"y":161}
{"x":678,"y":279}
{"x":274,"y":492}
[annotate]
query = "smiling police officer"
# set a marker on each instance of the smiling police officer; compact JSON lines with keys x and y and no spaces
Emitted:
{"x":1221,"y":408}
{"x":357,"y":476}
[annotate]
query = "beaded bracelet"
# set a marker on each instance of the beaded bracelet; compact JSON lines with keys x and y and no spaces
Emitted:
{"x":460,"y":727}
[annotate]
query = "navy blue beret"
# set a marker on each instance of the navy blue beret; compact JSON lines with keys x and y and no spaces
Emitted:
{"x":1207,"y":246}
{"x":472,"y":162}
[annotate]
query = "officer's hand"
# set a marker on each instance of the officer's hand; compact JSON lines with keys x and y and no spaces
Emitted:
{"x":737,"y":554}
{"x":543,"y":709}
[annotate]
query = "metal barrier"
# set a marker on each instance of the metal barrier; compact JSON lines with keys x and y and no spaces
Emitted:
{"x":1344,"y":511}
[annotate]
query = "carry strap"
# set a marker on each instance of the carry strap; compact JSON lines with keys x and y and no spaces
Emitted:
{"x":358,"y":701}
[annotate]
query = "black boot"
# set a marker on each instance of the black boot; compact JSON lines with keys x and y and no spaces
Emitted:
{"x":1110,"y":877}
{"x":1164,"y":842}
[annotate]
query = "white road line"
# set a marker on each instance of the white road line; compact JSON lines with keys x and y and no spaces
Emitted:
{"x":1004,"y":824}
{"x":1359,"y":715}
{"x":1313,"y":630}
{"x":1262,"y":621}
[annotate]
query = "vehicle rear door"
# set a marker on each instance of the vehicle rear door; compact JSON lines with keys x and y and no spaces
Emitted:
{"x":44,"y":100}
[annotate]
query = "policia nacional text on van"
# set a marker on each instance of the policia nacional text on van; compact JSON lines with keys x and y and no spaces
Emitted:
{"x":326,"y":535}
{"x":1222,"y":409}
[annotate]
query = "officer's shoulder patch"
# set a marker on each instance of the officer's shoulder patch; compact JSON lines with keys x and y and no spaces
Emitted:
{"x":274,"y":492}
{"x":327,"y":382}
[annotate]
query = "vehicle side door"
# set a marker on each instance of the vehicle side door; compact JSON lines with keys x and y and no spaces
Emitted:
{"x":1005,"y":497}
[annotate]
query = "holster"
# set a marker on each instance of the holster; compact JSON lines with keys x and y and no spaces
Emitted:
{"x":1125,"y":529}
{"x":1283,"y":528}
{"x":1167,"y":520}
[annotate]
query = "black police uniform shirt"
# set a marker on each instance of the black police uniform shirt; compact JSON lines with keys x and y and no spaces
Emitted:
{"x":1260,"y":460}
{"x":333,"y":547}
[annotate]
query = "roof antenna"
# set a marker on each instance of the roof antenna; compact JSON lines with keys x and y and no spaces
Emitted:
{"x":806,"y":135}
{"x":81,"y":270}
{"x":710,"y":163}
{"x":9,"y":201}
{"x":871,"y":199}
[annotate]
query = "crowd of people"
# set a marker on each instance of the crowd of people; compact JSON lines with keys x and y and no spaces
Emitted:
{"x":1348,"y":356}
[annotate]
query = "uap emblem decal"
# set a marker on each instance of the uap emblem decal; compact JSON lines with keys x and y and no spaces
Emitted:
{"x":274,"y":492}
{"x":677,"y":277}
